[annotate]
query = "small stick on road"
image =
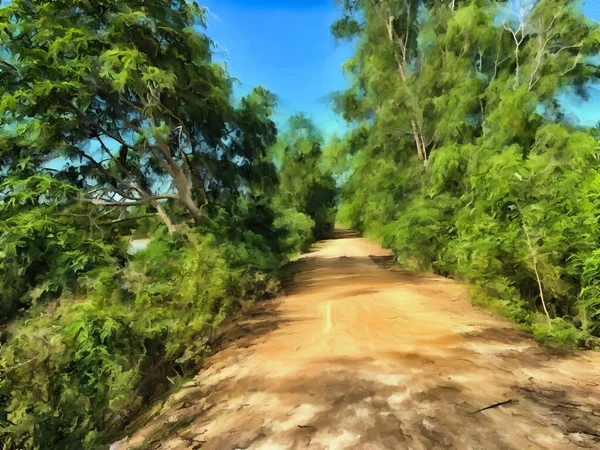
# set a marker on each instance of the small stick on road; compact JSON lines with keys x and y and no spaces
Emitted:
{"x":495,"y":405}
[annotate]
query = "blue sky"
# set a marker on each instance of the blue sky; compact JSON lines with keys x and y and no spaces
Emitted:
{"x":588,"y":112}
{"x":592,"y":9}
{"x":286,"y":46}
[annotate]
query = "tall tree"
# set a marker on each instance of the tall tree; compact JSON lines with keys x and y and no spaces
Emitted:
{"x":305,"y":182}
{"x":460,"y":135}
{"x":108,"y":108}
{"x":121,"y":99}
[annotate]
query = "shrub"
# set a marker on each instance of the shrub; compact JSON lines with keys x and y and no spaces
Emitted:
{"x":69,"y":377}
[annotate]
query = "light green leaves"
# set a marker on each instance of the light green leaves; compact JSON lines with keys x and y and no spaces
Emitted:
{"x":120,"y":66}
{"x":160,"y":79}
{"x":8,"y":103}
{"x":481,"y":99}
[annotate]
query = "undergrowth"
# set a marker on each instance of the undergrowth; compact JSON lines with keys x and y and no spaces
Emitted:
{"x":70,"y":377}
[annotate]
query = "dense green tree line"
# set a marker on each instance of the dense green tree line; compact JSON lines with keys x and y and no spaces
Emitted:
{"x":307,"y":189}
{"x":115,"y":121}
{"x":461,"y":159}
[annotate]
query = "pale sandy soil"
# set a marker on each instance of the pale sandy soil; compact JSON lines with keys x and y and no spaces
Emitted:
{"x":359,"y":355}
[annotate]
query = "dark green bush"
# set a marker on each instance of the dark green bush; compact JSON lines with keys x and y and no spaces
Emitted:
{"x":45,"y":245}
{"x":69,"y":377}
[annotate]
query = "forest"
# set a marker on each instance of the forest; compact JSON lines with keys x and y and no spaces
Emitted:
{"x":462,"y":160}
{"x":117,"y":123}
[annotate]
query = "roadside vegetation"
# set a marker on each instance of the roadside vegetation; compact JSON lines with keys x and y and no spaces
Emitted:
{"x":462,"y":160}
{"x":114,"y":122}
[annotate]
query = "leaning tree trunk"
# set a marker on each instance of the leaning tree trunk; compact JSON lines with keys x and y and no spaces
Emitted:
{"x":196,"y":213}
{"x":160,"y":211}
{"x":416,"y":129}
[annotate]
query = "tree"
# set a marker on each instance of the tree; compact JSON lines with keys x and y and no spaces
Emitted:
{"x":110,"y":111}
{"x":454,"y":162}
{"x":305,"y":182}
{"x":121,"y":100}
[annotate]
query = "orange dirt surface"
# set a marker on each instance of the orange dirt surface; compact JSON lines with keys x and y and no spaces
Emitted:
{"x":360,"y":355}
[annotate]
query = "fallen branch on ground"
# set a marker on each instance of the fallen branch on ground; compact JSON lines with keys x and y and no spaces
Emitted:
{"x":495,"y":405}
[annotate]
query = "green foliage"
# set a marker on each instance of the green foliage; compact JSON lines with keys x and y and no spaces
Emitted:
{"x":559,"y":333}
{"x":461,"y":161}
{"x":69,"y":377}
{"x":113,"y":117}
{"x":298,"y":229}
{"x":46,"y":244}
{"x":124,"y":116}
{"x":307,"y":191}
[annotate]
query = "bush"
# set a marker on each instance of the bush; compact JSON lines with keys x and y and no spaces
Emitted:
{"x":298,"y":230}
{"x":68,"y":377}
{"x":558,"y":333}
{"x":45,"y":246}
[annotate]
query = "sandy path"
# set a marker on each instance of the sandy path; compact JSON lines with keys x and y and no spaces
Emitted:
{"x":361,"y":356}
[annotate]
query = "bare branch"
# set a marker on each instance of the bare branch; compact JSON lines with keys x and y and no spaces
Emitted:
{"x":569,"y":47}
{"x":416,"y":130}
{"x":141,"y":201}
{"x":518,"y":42}
{"x":535,"y":269}
{"x":577,"y":59}
{"x":112,"y":222}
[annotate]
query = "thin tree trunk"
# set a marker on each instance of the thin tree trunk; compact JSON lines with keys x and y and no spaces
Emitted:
{"x":415,"y":127}
{"x":164,"y":217}
{"x":196,"y":213}
{"x":419,"y":144}
{"x":537,"y":274}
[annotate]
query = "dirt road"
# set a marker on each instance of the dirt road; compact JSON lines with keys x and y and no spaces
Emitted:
{"x":359,"y":355}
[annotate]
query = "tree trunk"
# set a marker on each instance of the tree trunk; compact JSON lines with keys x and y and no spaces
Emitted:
{"x":196,"y":213}
{"x":416,"y":132}
{"x":164,"y":217}
{"x":420,"y":149}
{"x":184,"y":186}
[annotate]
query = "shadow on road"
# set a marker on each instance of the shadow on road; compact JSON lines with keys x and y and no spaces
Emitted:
{"x":425,"y":392}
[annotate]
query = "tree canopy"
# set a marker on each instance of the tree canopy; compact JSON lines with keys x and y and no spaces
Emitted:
{"x":462,"y":159}
{"x":115,"y":121}
{"x":305,"y":182}
{"x":121,"y":100}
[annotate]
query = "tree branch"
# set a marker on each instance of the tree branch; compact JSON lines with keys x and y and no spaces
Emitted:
{"x":141,"y":201}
